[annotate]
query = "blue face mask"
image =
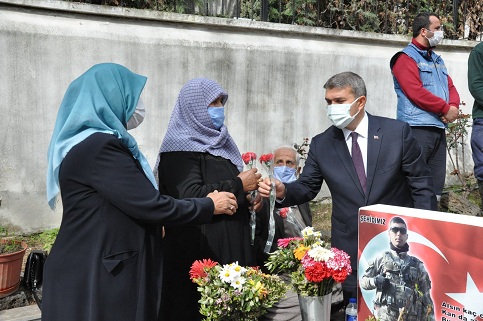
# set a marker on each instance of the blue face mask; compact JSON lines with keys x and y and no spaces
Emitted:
{"x":217,"y":115}
{"x":284,"y":174}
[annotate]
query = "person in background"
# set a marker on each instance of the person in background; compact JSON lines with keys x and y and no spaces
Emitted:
{"x":400,"y":280}
{"x":197,"y":157}
{"x":475,"y":84}
{"x":364,"y":160}
{"x":289,"y":222}
{"x":106,"y":260}
{"x":426,"y":97}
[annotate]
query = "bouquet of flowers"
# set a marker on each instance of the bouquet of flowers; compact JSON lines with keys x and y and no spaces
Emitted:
{"x":233,"y":292}
{"x":313,"y":267}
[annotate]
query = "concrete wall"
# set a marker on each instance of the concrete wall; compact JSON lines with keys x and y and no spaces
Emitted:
{"x":273,"y":73}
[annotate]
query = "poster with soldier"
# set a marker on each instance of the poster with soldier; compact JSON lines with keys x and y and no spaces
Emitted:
{"x":419,"y":265}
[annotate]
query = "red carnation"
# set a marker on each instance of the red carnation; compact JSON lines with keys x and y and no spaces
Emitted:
{"x":248,"y":157}
{"x":316,"y":272}
{"x":283,"y":212}
{"x":340,"y":275}
{"x":266,"y":158}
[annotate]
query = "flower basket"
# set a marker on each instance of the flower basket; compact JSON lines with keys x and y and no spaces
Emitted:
{"x":10,"y":269}
{"x":233,"y":292}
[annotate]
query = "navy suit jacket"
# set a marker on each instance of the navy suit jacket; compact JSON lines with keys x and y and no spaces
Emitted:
{"x":396,"y":175}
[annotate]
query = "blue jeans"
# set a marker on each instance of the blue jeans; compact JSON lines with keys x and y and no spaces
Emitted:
{"x":433,"y":144}
{"x":477,"y":147}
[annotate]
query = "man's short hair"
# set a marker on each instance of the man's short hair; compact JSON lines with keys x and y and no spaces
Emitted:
{"x":297,"y":155}
{"x":348,"y":79}
{"x":397,"y":219}
{"x":422,"y":21}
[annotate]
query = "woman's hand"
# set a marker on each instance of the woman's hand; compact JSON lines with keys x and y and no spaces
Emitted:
{"x":225,"y":202}
{"x":250,"y":179}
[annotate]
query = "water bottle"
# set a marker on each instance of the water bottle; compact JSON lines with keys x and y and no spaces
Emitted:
{"x":351,"y":310}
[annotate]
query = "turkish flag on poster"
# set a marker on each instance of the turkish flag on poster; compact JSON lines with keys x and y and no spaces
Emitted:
{"x":449,"y":247}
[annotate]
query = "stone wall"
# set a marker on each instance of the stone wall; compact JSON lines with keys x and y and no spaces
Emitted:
{"x":274,"y":75}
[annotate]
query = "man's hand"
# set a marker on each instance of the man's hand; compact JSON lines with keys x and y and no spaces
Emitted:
{"x":225,"y":202}
{"x":381,"y":282}
{"x":451,"y":115}
{"x":265,"y":186}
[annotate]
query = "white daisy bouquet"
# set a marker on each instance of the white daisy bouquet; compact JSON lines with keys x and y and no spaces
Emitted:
{"x":233,"y":292}
{"x":313,"y":266}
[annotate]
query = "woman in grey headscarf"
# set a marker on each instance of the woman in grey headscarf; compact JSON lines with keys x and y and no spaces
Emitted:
{"x":198,"y":156}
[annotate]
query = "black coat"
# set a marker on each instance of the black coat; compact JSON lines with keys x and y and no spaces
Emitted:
{"x":225,"y":239}
{"x":106,"y":261}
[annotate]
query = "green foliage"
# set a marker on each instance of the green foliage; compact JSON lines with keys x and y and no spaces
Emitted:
{"x":10,"y":246}
{"x":456,"y":136}
{"x":47,"y":238}
{"x":3,"y":231}
{"x":384,"y":16}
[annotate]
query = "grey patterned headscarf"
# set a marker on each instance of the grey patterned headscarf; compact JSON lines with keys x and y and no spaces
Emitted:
{"x":191,"y":128}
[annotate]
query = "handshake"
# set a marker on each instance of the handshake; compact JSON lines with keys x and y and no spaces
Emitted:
{"x":382,"y":283}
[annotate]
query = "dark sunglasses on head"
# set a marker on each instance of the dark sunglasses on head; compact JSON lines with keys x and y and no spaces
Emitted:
{"x":396,"y":229}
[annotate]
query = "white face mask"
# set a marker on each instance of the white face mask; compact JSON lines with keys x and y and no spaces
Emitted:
{"x":137,"y":117}
{"x":436,"y":38}
{"x":340,"y":114}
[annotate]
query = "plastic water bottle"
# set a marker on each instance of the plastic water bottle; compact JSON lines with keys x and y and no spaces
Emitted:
{"x":351,"y":310}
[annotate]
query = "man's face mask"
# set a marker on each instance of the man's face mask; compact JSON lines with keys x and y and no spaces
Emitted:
{"x":285,"y":174}
{"x":137,"y":117}
{"x":339,"y":114}
{"x":437,"y":37}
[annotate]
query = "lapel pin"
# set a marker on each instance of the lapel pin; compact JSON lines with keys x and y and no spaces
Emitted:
{"x":376,"y":137}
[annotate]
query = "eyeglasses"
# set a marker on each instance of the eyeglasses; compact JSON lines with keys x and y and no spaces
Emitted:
{"x":396,"y":229}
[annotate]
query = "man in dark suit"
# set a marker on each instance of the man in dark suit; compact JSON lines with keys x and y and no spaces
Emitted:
{"x":386,"y":168}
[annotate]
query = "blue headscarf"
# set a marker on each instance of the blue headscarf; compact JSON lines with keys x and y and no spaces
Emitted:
{"x":191,"y":128}
{"x":101,"y":100}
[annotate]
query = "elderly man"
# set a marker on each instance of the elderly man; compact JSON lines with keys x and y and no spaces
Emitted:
{"x":364,"y":160}
{"x":400,"y":280}
{"x":289,"y":222}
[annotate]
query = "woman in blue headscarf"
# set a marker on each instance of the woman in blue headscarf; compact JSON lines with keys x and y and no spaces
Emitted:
{"x":198,"y":156}
{"x":105,"y":263}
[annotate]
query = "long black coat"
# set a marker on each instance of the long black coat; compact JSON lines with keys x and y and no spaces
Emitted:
{"x":225,"y":239}
{"x":396,"y":175}
{"x":106,"y":261}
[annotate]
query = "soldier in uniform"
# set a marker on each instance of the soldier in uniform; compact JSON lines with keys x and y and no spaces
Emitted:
{"x":402,"y":283}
